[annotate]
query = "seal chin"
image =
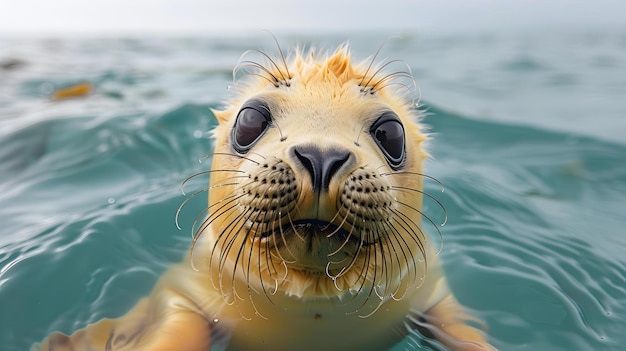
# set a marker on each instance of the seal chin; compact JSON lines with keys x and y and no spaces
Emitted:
{"x":311,"y":245}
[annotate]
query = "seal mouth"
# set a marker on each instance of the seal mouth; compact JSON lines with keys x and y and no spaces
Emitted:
{"x":311,"y":245}
{"x":308,"y":229}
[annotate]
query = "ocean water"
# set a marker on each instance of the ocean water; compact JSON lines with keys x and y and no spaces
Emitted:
{"x":528,"y":135}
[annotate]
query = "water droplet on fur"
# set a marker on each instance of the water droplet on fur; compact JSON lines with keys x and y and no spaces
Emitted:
{"x":111,"y":200}
{"x":215,"y":320}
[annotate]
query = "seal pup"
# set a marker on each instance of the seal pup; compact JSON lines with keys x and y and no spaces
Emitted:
{"x":312,"y":238}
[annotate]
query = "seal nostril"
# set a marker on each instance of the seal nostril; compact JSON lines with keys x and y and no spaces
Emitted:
{"x":307,"y":159}
{"x":332,"y":163}
{"x":321,"y":165}
{"x":307,"y":163}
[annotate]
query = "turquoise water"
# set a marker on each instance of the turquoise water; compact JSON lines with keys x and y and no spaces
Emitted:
{"x":528,"y":136}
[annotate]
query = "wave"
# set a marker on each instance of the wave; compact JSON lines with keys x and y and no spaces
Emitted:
{"x":89,"y":188}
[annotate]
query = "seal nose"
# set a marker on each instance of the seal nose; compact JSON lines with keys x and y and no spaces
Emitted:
{"x":321,"y":164}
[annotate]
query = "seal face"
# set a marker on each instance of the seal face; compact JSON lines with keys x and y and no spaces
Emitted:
{"x":315,"y":190}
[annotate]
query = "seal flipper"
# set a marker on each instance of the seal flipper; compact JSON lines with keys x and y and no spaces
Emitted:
{"x":445,"y":322}
{"x":146,"y":327}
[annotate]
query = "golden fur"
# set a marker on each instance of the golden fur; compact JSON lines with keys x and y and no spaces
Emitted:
{"x":313,"y":237}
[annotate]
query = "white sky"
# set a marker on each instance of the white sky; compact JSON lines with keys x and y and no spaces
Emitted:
{"x":114,"y":17}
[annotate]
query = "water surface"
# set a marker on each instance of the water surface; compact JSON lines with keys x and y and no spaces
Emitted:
{"x":528,"y":134}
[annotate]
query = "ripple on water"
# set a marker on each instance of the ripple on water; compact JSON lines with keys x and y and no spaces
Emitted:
{"x":524,"y":272}
{"x":534,"y":242}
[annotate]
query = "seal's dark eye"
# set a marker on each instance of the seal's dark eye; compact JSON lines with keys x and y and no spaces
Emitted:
{"x":252,"y":121}
{"x":389,"y":135}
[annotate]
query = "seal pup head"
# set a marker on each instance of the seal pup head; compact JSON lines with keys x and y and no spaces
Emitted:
{"x":316,"y":181}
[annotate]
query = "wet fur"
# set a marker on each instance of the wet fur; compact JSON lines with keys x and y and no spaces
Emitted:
{"x":280,"y":266}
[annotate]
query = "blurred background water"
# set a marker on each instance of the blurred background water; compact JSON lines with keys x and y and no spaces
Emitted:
{"x":528,"y":136}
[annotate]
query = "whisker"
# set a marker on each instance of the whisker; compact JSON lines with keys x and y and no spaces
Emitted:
{"x":417,"y":174}
{"x":269,"y":265}
{"x":253,"y":230}
{"x":268,"y":253}
{"x":269,"y":58}
{"x":417,"y":234}
{"x":407,"y":254}
{"x":346,"y":268}
{"x":221,"y":185}
{"x":187,"y":199}
{"x":361,"y":278}
{"x":260,"y":76}
{"x":268,"y":256}
{"x":205,"y":224}
{"x":364,"y":273}
{"x":396,"y":75}
{"x":182,"y":186}
{"x":374,"y":278}
{"x":384,"y":267}
{"x":378,"y":70}
{"x":332,"y":220}
{"x":274,"y":81}
{"x":235,"y":226}
{"x":374,"y":310}
{"x":295,"y":231}
{"x":282,"y":56}
{"x":224,"y":201}
{"x":224,"y":255}
{"x":354,"y":258}
{"x":445,"y":212}
{"x":335,"y":232}
{"x":243,"y":157}
{"x":388,"y":251}
{"x":429,"y":220}
{"x":373,"y":60}
{"x":282,"y":236}
{"x":403,"y":85}
{"x":196,"y":193}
